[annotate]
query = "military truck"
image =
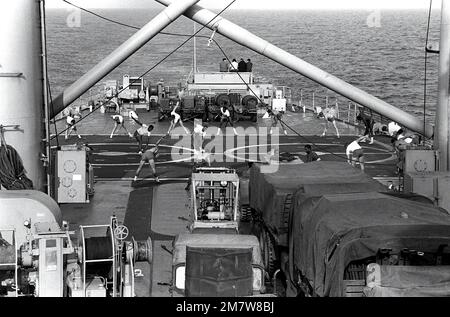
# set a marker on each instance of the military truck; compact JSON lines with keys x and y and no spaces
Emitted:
{"x":271,"y":199}
{"x":367,"y":245}
{"x":215,"y":258}
{"x":325,"y":225}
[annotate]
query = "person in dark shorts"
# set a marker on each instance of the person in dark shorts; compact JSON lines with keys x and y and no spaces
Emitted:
{"x":119,"y":123}
{"x":368,"y":121}
{"x":276,"y":117}
{"x":139,"y":134}
{"x":149,"y":157}
{"x":355,"y":153}
{"x":225,"y":120}
{"x":310,"y":155}
{"x":71,"y":126}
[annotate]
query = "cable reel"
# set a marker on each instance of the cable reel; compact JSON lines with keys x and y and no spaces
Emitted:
{"x":139,"y":251}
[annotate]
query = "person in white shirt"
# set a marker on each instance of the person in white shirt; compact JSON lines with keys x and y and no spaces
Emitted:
{"x":140,"y":132}
{"x":355,"y":153}
{"x":225,"y":120}
{"x":199,"y":134}
{"x":176,"y":118}
{"x":149,"y":156}
{"x":119,"y":123}
{"x":234,"y":66}
{"x":71,"y":126}
{"x":133,"y":115}
{"x":393,"y":128}
{"x":330,"y":115}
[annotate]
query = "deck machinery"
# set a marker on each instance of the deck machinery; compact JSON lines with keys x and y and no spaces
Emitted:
{"x":39,"y":259}
{"x":214,"y":259}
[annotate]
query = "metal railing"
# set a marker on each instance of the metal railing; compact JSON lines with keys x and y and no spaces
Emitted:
{"x":347,"y":111}
{"x":96,"y":93}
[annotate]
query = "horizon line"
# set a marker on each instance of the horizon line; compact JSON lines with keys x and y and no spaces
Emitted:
{"x":259,"y":9}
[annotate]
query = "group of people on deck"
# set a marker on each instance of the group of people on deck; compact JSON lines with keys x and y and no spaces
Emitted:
{"x":242,"y":67}
{"x":353,"y":150}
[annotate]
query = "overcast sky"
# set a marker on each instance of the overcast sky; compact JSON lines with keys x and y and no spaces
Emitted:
{"x":260,"y":4}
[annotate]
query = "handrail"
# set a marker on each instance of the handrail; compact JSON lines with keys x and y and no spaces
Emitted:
{"x":347,"y":112}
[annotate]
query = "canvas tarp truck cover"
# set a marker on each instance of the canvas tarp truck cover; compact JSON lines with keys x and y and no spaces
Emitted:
{"x":268,"y":191}
{"x":407,"y":281}
{"x":330,"y":232}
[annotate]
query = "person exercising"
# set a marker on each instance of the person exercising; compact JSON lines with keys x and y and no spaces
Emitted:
{"x":119,"y":123}
{"x":368,"y":121}
{"x":330,"y":115}
{"x":355,"y":153}
{"x":276,"y":119}
{"x":71,"y":126}
{"x":176,"y":118}
{"x":149,"y":157}
{"x":133,"y":115}
{"x":199,"y":135}
{"x":225,"y":120}
{"x":140,"y":132}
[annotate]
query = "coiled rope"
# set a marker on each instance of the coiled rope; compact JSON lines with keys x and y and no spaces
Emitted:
{"x":12,"y":171}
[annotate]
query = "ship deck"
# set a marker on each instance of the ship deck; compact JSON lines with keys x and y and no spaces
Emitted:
{"x":161,"y":210}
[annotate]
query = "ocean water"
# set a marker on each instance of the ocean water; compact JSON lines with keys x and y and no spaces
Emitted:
{"x":386,"y":61}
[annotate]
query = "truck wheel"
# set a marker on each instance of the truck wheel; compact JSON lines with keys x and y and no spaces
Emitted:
{"x":268,"y":252}
{"x":246,"y":214}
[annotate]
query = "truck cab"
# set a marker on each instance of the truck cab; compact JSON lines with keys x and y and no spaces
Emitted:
{"x":213,"y":259}
{"x":215,"y":265}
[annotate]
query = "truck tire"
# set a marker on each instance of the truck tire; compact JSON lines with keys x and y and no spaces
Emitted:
{"x":268,"y":252}
{"x":246,"y":213}
{"x":284,"y":225}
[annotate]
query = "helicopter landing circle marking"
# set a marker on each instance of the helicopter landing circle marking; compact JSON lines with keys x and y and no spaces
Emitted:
{"x":229,"y":153}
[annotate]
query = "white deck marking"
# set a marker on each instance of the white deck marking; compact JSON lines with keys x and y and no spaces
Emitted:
{"x":229,"y":152}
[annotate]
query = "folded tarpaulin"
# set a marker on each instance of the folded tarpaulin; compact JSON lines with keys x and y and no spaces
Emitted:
{"x":330,"y":232}
{"x":407,"y":281}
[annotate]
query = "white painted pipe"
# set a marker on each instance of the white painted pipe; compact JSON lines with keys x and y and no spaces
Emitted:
{"x":261,"y":46}
{"x":133,"y":44}
{"x":442,"y":113}
{"x":21,"y":96}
